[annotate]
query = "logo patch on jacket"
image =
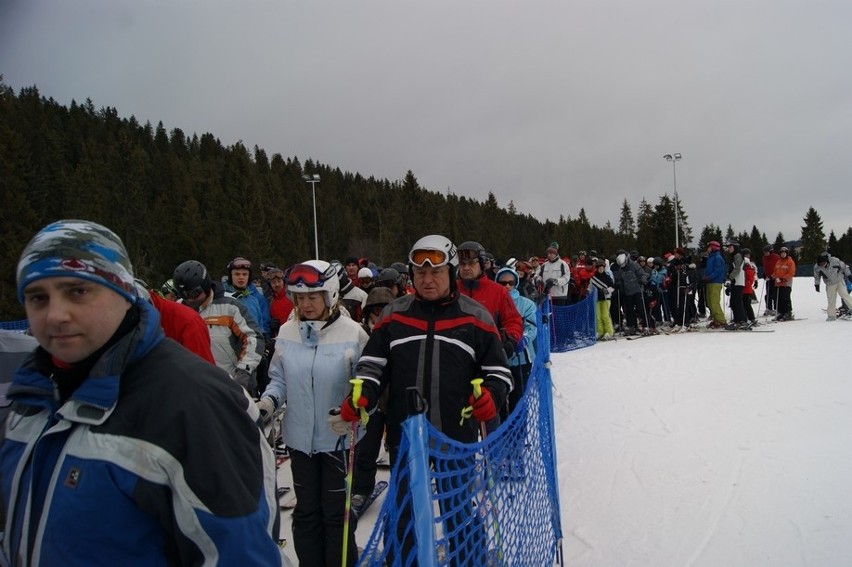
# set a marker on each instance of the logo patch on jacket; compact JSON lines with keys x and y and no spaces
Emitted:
{"x":73,"y":477}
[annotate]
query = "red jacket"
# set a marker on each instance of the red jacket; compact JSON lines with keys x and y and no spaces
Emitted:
{"x":497,"y":301}
{"x":769,"y":262}
{"x":750,"y":275}
{"x":280,"y":307}
{"x":582,"y":275}
{"x":185,"y":326}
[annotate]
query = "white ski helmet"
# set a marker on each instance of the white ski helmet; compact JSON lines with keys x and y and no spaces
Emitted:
{"x":446,"y":253}
{"x":313,"y":276}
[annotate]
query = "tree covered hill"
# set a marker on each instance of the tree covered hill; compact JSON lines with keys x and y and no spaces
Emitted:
{"x":173,"y":197}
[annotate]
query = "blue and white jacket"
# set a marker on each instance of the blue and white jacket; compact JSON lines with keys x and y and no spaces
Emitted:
{"x":310,"y":373}
{"x":528,"y":310}
{"x":154,"y":460}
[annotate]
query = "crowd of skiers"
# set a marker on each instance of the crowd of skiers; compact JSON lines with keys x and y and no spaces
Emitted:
{"x":104,"y":399}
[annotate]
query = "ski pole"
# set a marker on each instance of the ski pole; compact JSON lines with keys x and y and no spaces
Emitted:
{"x":350,"y":467}
{"x":489,"y":479}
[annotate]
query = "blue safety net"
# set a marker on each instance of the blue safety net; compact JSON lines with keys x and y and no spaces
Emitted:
{"x":495,"y":502}
{"x":573,"y":326}
{"x":21,"y":325}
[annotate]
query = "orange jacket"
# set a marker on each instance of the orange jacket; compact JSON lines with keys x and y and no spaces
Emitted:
{"x":784,"y":272}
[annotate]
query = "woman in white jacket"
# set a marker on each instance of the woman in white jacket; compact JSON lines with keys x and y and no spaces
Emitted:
{"x":315,"y":354}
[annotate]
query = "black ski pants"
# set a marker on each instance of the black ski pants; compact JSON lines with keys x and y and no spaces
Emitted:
{"x":320,"y":484}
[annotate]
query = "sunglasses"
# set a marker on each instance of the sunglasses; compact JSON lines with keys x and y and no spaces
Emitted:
{"x":308,"y":276}
{"x":436,"y":258}
{"x":509,"y":283}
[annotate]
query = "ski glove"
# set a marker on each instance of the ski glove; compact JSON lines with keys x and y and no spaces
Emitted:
{"x":266,"y":407}
{"x":337,"y":424}
{"x":483,"y":407}
{"x":755,"y":284}
{"x":348,"y":412}
{"x":509,"y":346}
{"x":522,"y":344}
{"x":816,"y":287}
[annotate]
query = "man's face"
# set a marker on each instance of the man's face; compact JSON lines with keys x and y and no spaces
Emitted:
{"x":72,"y":318}
{"x":352,"y":271}
{"x":469,"y":269}
{"x":551,"y":255}
{"x":276,"y":281}
{"x":240,"y":278}
{"x":432,"y":283}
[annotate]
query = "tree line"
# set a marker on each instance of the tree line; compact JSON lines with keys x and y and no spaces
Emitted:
{"x":173,"y":197}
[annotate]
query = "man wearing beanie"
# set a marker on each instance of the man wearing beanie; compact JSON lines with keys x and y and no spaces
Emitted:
{"x":122,"y":447}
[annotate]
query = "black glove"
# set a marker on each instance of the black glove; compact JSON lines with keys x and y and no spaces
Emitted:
{"x":816,"y":287}
{"x":755,"y":284}
{"x":727,"y":290}
{"x":509,"y":345}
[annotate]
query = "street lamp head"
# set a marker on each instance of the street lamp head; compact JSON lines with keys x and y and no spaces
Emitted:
{"x":314,"y":177}
{"x":668,"y":157}
{"x":677,"y":156}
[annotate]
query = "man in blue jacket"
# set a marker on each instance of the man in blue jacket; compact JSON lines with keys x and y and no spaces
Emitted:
{"x":122,"y":447}
{"x":714,"y":278}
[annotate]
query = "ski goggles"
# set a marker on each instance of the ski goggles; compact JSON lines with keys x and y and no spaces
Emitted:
{"x":308,"y":276}
{"x":436,"y":258}
{"x":240,"y":264}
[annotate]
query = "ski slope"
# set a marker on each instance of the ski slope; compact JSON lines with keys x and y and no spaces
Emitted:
{"x":710,"y":449}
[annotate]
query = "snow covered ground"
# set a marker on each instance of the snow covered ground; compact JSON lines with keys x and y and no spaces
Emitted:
{"x":705,"y":449}
{"x":710,"y":449}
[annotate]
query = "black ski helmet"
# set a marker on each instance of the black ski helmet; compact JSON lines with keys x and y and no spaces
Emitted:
{"x":190,"y":277}
{"x":470,"y":250}
{"x":238,"y":263}
{"x":823,"y":257}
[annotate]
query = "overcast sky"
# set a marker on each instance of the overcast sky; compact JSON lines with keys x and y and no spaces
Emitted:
{"x":556,"y":105}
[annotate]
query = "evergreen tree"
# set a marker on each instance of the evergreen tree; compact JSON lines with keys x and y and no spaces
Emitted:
{"x":626,"y":226}
{"x":645,"y":227}
{"x":813,"y":237}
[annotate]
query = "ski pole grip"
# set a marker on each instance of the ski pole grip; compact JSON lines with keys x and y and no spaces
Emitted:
{"x":357,"y":384}
{"x":477,"y":387}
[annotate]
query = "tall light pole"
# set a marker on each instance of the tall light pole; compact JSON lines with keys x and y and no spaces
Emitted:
{"x":674,"y":158}
{"x":313,"y":180}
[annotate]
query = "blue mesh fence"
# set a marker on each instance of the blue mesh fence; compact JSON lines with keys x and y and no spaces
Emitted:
{"x":573,"y":326}
{"x":495,"y":502}
{"x":21,"y":325}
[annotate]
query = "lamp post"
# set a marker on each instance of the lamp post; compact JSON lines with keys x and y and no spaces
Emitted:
{"x":674,"y":158}
{"x":313,"y":180}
